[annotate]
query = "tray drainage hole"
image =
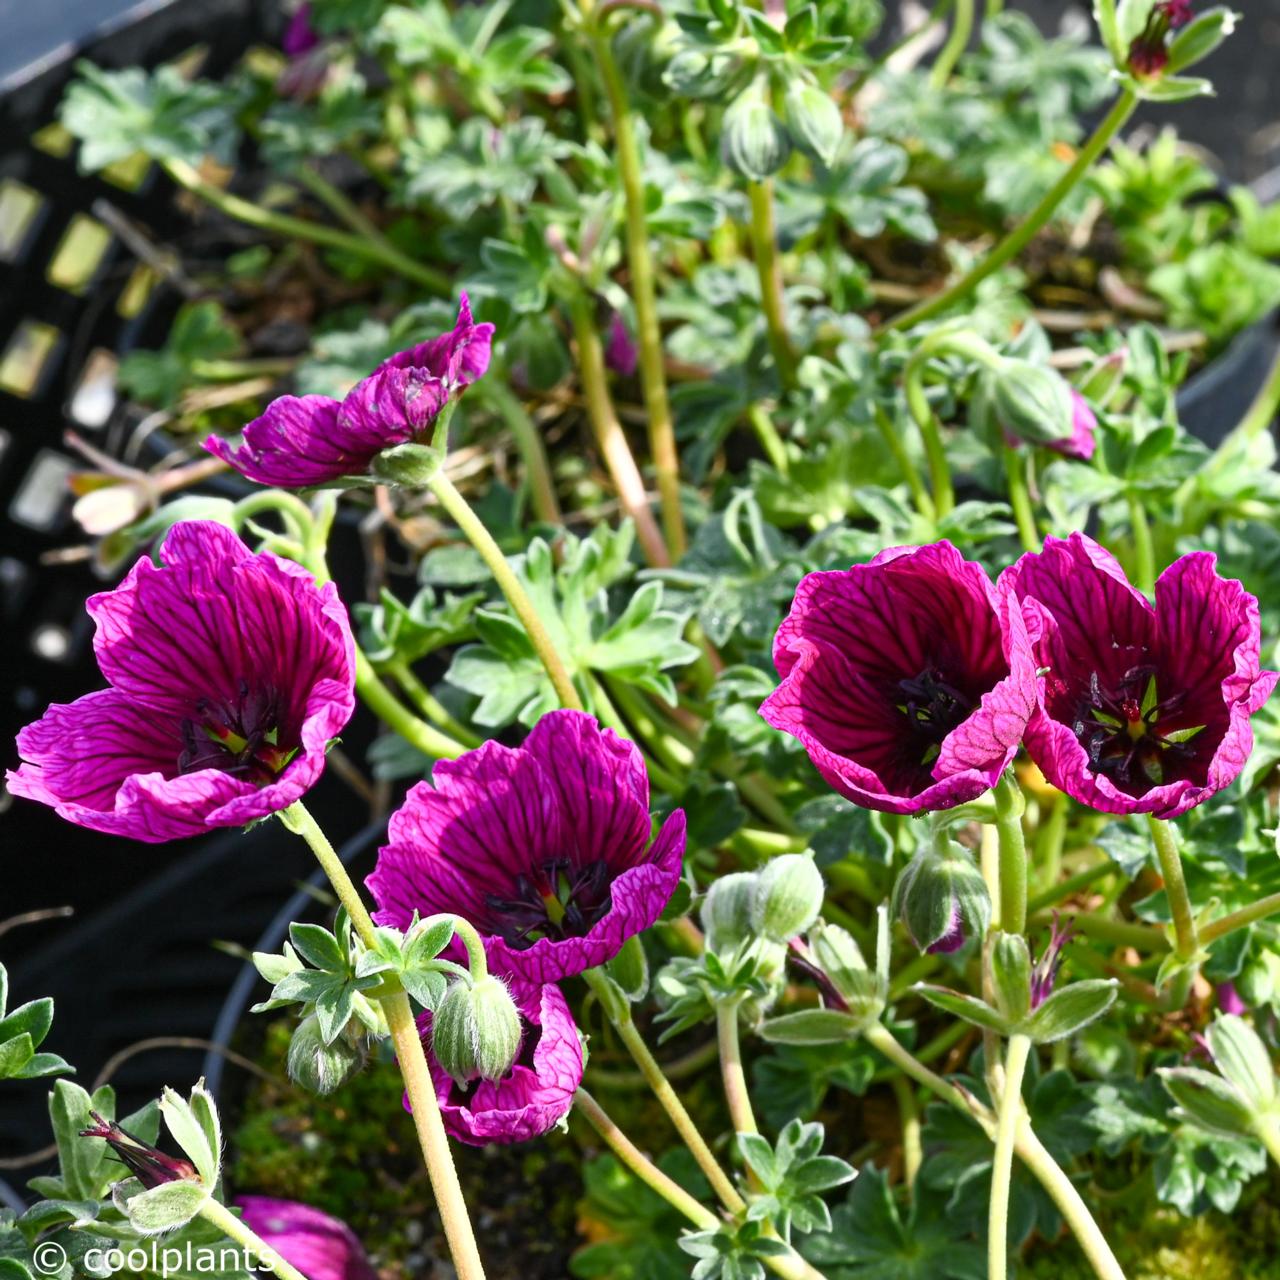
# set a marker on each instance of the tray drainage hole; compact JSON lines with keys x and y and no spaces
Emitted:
{"x":43,"y":494}
{"x":28,"y":358}
{"x":20,"y":208}
{"x":79,"y":254}
{"x":94,"y":398}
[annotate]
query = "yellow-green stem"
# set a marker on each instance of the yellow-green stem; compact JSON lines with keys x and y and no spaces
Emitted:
{"x":909,"y":1121}
{"x":480,"y":538}
{"x":670,"y":1100}
{"x":218,"y":1215}
{"x":1015,"y":470}
{"x":409,"y":1053}
{"x":393,"y":713}
{"x":1015,"y":1065}
{"x":653,"y":374}
{"x":429,"y":705}
{"x":930,"y":433}
{"x":736,"y":1093}
{"x":1022,"y":235}
{"x":893,"y":439}
{"x":533,"y":453}
{"x":770,"y":440}
{"x":1187,"y":945}
{"x":610,"y":438}
{"x":1234,"y":920}
{"x":949,"y":54}
{"x":380,"y":250}
{"x":1013,"y":855}
{"x":1144,"y":554}
{"x":764,"y":246}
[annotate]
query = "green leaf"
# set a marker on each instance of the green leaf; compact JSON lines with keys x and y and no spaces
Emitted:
{"x":162,"y":1208}
{"x":116,"y":114}
{"x":318,"y":947}
{"x":1069,"y":1009}
{"x":1209,"y":1101}
{"x":969,"y":1008}
{"x":200,"y":332}
{"x":811,"y":1026}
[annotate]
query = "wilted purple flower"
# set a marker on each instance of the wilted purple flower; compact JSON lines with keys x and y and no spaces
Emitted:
{"x":544,"y":849}
{"x":1141,"y":710}
{"x":1044,"y":973}
{"x":299,"y":36}
{"x":620,"y":349}
{"x":1229,"y":998}
{"x":151,"y":1166}
{"x":303,"y":441}
{"x":1149,"y":51}
{"x":535,"y":1095}
{"x":229,"y":675}
{"x":902,"y":680}
{"x":321,"y":1247}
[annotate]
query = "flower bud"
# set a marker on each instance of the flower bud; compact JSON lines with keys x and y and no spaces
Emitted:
{"x":942,"y":899}
{"x":726,"y":910}
{"x":318,"y":1067}
{"x":1256,"y":984}
{"x":788,"y":897}
{"x":753,"y":141}
{"x":476,"y":1032}
{"x":862,"y":991}
{"x":814,"y":121}
{"x":1031,"y":401}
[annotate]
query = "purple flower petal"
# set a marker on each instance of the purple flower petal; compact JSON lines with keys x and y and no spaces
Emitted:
{"x":903,"y":680}
{"x":1080,"y":443}
{"x":1108,"y":651}
{"x":230,"y":672}
{"x":501,"y":833}
{"x":458,"y":357}
{"x":538,"y":1091}
{"x":321,"y":1247}
{"x":295,"y":444}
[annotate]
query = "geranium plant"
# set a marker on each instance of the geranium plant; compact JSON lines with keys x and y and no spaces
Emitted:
{"x":860,"y":675}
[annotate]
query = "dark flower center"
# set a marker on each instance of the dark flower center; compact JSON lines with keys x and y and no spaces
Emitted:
{"x":1122,"y":732}
{"x":558,"y":900}
{"x":933,"y":708}
{"x":239,"y":735}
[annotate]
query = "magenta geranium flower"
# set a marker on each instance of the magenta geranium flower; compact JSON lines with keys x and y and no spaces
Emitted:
{"x":535,"y":1095}
{"x":321,"y":1247}
{"x":1141,"y":709}
{"x":304,"y":441}
{"x":229,"y":675}
{"x":544,"y":849}
{"x":902,"y":679}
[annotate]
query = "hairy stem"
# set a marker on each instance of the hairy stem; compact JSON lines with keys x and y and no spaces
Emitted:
{"x":610,"y":437}
{"x":392,"y":712}
{"x":1187,"y":945}
{"x":736,"y":1093}
{"x":1013,"y":855}
{"x":653,"y":375}
{"x":949,"y":54}
{"x":930,"y":433}
{"x":667,"y":1096}
{"x":1234,"y":920}
{"x":409,"y":1053}
{"x":482,"y":540}
{"x":1015,"y":1065}
{"x":909,"y":1119}
{"x":764,"y":245}
{"x":1143,"y":548}
{"x":429,"y":705}
{"x":893,"y":439}
{"x":1018,"y":239}
{"x":497,"y":396}
{"x":254,"y":215}
{"x":1015,"y":470}
{"x":217,"y":1214}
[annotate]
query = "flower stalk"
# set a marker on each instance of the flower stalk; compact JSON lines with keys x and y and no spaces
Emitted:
{"x":409,"y":1053}
{"x":1010,"y":806}
{"x":377,"y":250}
{"x":1015,"y":1065}
{"x":653,"y":376}
{"x":736,"y":1093}
{"x":949,"y":55}
{"x":273,"y":1262}
{"x":1015,"y":470}
{"x":612,"y":442}
{"x":1022,"y":235}
{"x":667,"y":1096}
{"x":764,"y":245}
{"x":1187,"y":944}
{"x":482,"y":540}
